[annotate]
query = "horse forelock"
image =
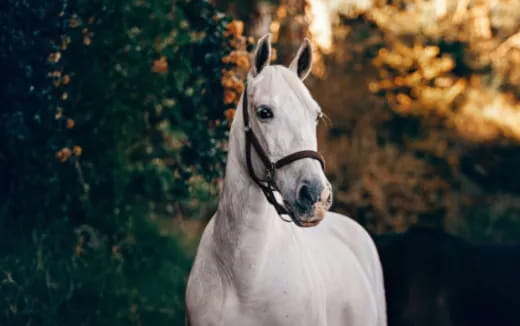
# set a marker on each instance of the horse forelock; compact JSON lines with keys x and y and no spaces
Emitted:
{"x":278,"y":81}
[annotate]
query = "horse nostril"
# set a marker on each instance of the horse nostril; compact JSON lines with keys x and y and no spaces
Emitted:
{"x":305,"y":196}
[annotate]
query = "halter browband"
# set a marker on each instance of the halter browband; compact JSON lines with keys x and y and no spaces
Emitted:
{"x":268,"y":185}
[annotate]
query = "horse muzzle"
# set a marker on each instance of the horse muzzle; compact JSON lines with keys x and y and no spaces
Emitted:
{"x":313,"y":200}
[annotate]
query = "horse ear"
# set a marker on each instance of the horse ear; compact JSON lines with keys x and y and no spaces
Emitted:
{"x":261,"y":55}
{"x":302,"y":62}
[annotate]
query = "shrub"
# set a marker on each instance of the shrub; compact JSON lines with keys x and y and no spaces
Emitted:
{"x":111,"y":109}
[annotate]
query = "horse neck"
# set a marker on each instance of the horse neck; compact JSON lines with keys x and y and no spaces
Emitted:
{"x":245,"y":222}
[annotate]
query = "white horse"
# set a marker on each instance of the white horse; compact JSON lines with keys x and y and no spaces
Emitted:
{"x":252,"y":267}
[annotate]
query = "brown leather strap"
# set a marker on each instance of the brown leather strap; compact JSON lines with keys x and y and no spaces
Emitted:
{"x":252,"y":140}
{"x":298,"y":156}
{"x":258,"y":148}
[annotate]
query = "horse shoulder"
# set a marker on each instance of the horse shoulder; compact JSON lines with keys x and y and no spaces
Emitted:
{"x":359,"y":241}
{"x":205,"y":288}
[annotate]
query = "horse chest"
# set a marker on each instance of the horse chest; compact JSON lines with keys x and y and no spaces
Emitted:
{"x":312,"y":280}
{"x":300,"y":288}
{"x":278,"y":300}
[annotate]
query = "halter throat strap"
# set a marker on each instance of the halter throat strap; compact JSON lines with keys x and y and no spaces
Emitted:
{"x":268,"y":185}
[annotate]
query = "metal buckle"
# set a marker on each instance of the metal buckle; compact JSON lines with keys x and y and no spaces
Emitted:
{"x":270,"y":172}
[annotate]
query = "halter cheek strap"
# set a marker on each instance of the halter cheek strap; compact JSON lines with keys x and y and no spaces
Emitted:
{"x":268,"y":185}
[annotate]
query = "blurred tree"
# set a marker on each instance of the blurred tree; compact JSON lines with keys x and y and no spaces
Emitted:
{"x":111,"y":111}
{"x":451,"y":64}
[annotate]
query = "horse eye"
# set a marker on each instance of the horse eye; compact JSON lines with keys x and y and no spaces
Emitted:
{"x":263,"y":112}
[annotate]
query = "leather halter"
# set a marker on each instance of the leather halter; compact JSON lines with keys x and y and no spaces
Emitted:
{"x":268,"y":185}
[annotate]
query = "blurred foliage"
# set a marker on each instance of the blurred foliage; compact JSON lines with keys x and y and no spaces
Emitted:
{"x":460,"y":65}
{"x":438,"y":143}
{"x":112,"y":113}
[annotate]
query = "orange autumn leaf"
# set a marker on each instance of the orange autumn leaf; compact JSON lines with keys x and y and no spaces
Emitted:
{"x":86,"y":40}
{"x":65,"y":41}
{"x":229,"y":97}
{"x":243,"y":61}
{"x":160,"y":65}
{"x":235,"y":28}
{"x":74,"y":22}
{"x":226,"y":81}
{"x":54,"y":57}
{"x":63,"y":154}
{"x":77,"y":150}
{"x":59,"y":113}
{"x":241,"y":58}
{"x":229,"y":114}
{"x":70,"y":123}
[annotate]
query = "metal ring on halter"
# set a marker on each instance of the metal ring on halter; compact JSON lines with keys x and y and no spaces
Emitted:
{"x":270,"y":172}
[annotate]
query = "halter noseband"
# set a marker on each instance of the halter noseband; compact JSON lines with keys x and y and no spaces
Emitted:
{"x":268,"y":185}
